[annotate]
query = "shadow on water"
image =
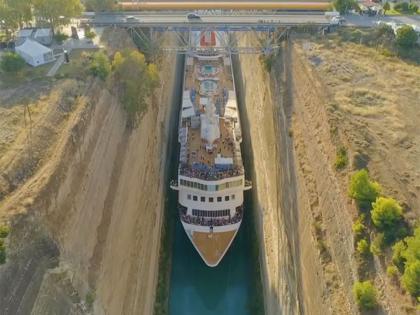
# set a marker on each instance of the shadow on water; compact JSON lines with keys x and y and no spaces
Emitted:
{"x":231,"y":288}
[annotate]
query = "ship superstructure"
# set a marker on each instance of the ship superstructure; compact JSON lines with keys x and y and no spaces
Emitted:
{"x":211,"y":176}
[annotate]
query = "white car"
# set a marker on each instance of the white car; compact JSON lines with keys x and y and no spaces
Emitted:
{"x":337,"y":20}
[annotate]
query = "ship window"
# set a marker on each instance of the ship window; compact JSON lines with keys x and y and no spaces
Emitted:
{"x":226,"y":198}
{"x":211,"y":199}
{"x":202,"y":199}
{"x":232,"y":197}
{"x":219,"y":199}
{"x":195,"y":198}
{"x":189,"y":197}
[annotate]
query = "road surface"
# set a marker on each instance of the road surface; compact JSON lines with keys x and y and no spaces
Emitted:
{"x":176,"y":19}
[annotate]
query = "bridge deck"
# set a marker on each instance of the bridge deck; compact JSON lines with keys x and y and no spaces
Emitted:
{"x":226,"y":5}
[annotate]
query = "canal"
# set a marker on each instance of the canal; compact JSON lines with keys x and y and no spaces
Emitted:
{"x":224,"y":290}
{"x":234,"y":286}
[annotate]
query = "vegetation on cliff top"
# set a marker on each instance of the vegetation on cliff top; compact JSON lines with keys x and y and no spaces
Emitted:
{"x":387,"y":219}
{"x":4,"y":232}
{"x":365,"y":294}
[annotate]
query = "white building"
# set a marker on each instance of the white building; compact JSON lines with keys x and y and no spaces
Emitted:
{"x":43,"y":36}
{"x":34,"y":53}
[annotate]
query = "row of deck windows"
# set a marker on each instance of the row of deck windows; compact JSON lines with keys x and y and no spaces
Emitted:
{"x":210,"y":199}
{"x":204,"y":187}
{"x":211,"y":214}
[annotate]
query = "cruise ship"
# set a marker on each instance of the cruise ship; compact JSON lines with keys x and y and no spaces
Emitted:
{"x":211,"y":180}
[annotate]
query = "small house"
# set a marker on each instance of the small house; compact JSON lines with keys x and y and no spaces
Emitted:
{"x":34,"y":53}
{"x":43,"y":36}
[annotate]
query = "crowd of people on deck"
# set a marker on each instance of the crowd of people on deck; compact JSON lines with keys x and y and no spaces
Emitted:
{"x":212,"y":174}
{"x":204,"y":221}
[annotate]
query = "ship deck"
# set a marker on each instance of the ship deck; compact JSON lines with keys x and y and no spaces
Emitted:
{"x":225,"y":145}
{"x":212,"y":246}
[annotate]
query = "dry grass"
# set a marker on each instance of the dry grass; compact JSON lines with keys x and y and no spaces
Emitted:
{"x":374,"y":100}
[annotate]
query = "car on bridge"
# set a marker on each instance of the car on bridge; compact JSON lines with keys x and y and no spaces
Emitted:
{"x":131,"y":19}
{"x":193,"y":17}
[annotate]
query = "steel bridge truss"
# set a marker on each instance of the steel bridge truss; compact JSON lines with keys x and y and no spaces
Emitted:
{"x":268,"y":38}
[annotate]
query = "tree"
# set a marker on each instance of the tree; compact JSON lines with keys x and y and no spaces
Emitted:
{"x":406,"y":36}
{"x":100,"y":65}
{"x":14,"y":13}
{"x":398,"y":255}
{"x":365,"y":294}
{"x":343,"y":6}
{"x":412,"y":251}
{"x":136,"y":81}
{"x":386,"y":214}
{"x":100,"y":5}
{"x":362,"y":189}
{"x":12,"y":63}
{"x":4,"y":231}
{"x":386,"y":7}
{"x":411,"y":278}
{"x":90,"y":34}
{"x":363,"y":247}
{"x":57,"y":12}
{"x":378,"y":244}
{"x":358,"y":227}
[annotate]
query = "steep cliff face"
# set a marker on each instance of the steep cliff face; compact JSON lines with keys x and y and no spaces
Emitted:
{"x":99,"y":202}
{"x":274,"y":187}
{"x":303,"y":219}
{"x":328,"y":261}
{"x":107,"y":212}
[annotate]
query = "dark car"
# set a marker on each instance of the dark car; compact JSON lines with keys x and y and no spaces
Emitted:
{"x":193,"y":17}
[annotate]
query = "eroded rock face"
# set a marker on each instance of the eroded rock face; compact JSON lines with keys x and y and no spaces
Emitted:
{"x":307,"y":257}
{"x":98,"y":203}
{"x":31,"y":254}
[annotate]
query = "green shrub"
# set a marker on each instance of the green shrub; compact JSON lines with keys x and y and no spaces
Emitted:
{"x":378,"y":244}
{"x":60,"y":37}
{"x":363,"y":190}
{"x":4,"y":231}
{"x":2,"y":253}
{"x":267,"y":61}
{"x":413,"y":8}
{"x":401,"y":7}
{"x":392,"y":272}
{"x":398,"y":255}
{"x":90,"y":34}
{"x":341,"y":159}
{"x":406,"y":36}
{"x":412,"y":251}
{"x":411,"y":278}
{"x":386,"y":7}
{"x":386,"y":216}
{"x":365,"y":294}
{"x":343,"y":6}
{"x":90,"y":299}
{"x":358,"y":227}
{"x":12,"y":63}
{"x":363,"y":247}
{"x":100,"y":65}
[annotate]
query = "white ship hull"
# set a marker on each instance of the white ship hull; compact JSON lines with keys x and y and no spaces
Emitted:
{"x":211,"y":178}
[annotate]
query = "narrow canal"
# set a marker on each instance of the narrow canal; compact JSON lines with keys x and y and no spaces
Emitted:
{"x":231,"y":288}
{"x":223,"y":290}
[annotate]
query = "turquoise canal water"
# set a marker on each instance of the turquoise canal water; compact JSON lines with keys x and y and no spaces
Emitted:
{"x":200,"y":290}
